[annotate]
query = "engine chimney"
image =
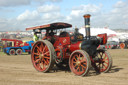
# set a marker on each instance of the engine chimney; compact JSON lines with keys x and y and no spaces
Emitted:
{"x":87,"y":25}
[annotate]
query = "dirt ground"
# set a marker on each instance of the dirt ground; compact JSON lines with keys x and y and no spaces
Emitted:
{"x":18,"y":70}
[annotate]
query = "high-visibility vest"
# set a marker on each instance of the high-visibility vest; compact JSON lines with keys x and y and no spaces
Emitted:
{"x":35,"y":38}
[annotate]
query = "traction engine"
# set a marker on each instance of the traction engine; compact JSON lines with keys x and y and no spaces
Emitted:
{"x":76,"y":51}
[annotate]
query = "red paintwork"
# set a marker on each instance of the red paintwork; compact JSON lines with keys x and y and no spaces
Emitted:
{"x":106,"y":46}
{"x":65,"y":44}
{"x":26,"y":44}
{"x":62,"y":43}
{"x":75,"y":46}
{"x":104,"y":36}
{"x":17,"y":43}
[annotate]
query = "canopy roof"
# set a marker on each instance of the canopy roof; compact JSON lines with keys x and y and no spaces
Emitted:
{"x":52,"y":26}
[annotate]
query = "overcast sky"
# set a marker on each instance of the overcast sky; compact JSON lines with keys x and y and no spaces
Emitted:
{"x":16,"y":15}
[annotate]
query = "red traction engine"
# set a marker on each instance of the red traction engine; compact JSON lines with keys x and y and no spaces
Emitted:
{"x":78,"y":52}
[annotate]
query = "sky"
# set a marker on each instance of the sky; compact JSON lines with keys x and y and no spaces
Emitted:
{"x":17,"y":15}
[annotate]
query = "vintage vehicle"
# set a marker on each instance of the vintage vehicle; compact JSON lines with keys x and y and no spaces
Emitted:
{"x":16,"y":47}
{"x":110,"y":45}
{"x":1,"y":46}
{"x":124,"y":44}
{"x":76,"y":51}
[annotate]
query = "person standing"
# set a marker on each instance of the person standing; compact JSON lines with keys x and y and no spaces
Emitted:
{"x":35,"y":37}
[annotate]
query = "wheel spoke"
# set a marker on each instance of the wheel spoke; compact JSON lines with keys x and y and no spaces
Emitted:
{"x":84,"y":63}
{"x":74,"y":59}
{"x":101,"y":55}
{"x":78,"y":68}
{"x":82,"y":69}
{"x":40,"y":66}
{"x":46,"y":57}
{"x":75,"y":65}
{"x":105,"y":57}
{"x":37,"y":61}
{"x":41,"y":47}
{"x":45,"y":62}
{"x":36,"y":54}
{"x":105,"y":66}
{"x":38,"y":51}
{"x":36,"y":57}
{"x":79,"y":55}
{"x":46,"y":53}
{"x":76,"y":56}
{"x":106,"y":63}
{"x":105,"y":60}
{"x":102,"y":66}
{"x":83,"y":60}
{"x":98,"y":65}
{"x":38,"y":48}
{"x":83,"y":66}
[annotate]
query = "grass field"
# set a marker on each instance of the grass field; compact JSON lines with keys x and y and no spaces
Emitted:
{"x":18,"y":70}
{"x":2,"y":53}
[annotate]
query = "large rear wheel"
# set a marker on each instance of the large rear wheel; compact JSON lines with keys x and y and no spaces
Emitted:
{"x":43,"y":56}
{"x":79,"y":62}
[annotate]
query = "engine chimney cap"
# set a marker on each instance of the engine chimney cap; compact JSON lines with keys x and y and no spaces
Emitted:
{"x":87,"y":16}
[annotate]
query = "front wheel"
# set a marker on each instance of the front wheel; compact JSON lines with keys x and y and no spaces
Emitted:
{"x":80,"y":62}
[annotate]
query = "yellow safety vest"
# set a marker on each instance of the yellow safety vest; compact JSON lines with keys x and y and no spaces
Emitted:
{"x":35,"y":38}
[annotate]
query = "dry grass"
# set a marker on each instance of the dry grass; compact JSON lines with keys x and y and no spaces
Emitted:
{"x":2,"y":53}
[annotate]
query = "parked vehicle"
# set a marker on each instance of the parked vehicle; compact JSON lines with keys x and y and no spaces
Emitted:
{"x":112,"y":45}
{"x":16,"y":47}
{"x":124,"y":44}
{"x":1,"y":46}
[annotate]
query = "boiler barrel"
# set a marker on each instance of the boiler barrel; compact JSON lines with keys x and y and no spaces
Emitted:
{"x":75,"y":46}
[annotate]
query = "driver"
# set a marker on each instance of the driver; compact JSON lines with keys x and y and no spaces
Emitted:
{"x":46,"y":35}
